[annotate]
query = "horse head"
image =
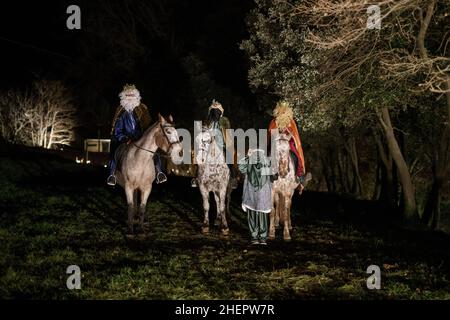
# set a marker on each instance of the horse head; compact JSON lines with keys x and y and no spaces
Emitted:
{"x":207,"y":150}
{"x":166,"y":138}
{"x":203,"y":142}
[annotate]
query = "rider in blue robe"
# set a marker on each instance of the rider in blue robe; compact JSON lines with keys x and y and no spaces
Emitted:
{"x":128,"y":125}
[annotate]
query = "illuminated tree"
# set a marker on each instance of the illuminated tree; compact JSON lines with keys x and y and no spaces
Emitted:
{"x":42,"y":116}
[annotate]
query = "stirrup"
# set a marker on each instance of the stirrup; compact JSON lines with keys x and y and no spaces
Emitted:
{"x":194,"y":183}
{"x":111,"y":181}
{"x":161,"y":177}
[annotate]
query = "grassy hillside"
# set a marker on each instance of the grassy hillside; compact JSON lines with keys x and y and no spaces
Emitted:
{"x":55,"y":213}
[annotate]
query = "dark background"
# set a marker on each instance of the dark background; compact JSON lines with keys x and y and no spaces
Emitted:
{"x":96,"y":61}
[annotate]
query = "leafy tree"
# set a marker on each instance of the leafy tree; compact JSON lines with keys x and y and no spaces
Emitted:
{"x":345,"y":77}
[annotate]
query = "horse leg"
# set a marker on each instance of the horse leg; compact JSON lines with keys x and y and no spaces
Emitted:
{"x":218,"y":220}
{"x":144,"y":197}
{"x":227,"y":207}
{"x":220,"y":201}
{"x":136,"y":205}
{"x":277,"y":215}
{"x":129,"y":192}
{"x":285,"y":212}
{"x":289,"y":203}
{"x":205,"y":196}
{"x":272,"y":215}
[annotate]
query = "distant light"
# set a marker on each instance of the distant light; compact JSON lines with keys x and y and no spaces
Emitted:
{"x":106,"y":166}
{"x":88,"y":161}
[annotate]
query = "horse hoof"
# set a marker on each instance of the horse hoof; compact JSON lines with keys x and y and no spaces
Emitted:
{"x":271,"y":237}
{"x":226,"y":232}
{"x":205,"y":230}
{"x":287,"y":239}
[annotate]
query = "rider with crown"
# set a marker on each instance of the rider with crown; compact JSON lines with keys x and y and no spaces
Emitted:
{"x":218,"y":124}
{"x":284,"y":121}
{"x":130,"y":121}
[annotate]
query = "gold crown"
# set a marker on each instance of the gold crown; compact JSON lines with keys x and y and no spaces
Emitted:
{"x":283,"y":114}
{"x":216,"y":105}
{"x":129,"y":87}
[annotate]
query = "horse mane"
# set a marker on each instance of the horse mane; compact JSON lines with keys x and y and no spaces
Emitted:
{"x":147,"y":132}
{"x":151,"y":127}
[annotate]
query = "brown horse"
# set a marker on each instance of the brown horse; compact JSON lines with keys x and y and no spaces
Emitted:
{"x":136,"y":170}
{"x":283,"y":188}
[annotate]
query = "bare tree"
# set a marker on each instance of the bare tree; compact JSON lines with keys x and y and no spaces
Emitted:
{"x":13,"y":123}
{"x":43,"y":116}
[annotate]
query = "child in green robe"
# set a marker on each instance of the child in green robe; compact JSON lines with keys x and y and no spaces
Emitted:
{"x":257,"y":193}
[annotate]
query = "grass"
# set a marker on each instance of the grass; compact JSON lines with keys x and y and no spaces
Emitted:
{"x":56,"y":213}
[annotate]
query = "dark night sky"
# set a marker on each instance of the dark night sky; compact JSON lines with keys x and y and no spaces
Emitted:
{"x":35,"y":43}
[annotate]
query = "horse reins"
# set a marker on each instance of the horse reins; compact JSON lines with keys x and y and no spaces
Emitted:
{"x":171,"y":144}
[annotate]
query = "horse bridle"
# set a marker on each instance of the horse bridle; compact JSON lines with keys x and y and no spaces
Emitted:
{"x":209,"y":142}
{"x":171,"y":144}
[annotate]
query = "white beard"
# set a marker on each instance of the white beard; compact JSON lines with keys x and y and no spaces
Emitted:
{"x":129,"y":103}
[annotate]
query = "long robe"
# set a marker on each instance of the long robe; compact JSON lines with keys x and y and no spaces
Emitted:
{"x":257,"y":193}
{"x":295,"y":143}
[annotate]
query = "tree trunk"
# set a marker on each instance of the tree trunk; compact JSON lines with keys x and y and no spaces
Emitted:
{"x":350,"y":146}
{"x":52,"y":130}
{"x":342,"y":172}
{"x":377,"y":186}
{"x":326,"y":171}
{"x":425,"y":23}
{"x":409,"y":198}
{"x":432,"y":211}
{"x":387,"y":173}
{"x":332,"y":166}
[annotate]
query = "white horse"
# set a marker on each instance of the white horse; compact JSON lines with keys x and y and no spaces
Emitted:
{"x":213,"y":175}
{"x":283,"y":188}
{"x":136,"y":169}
